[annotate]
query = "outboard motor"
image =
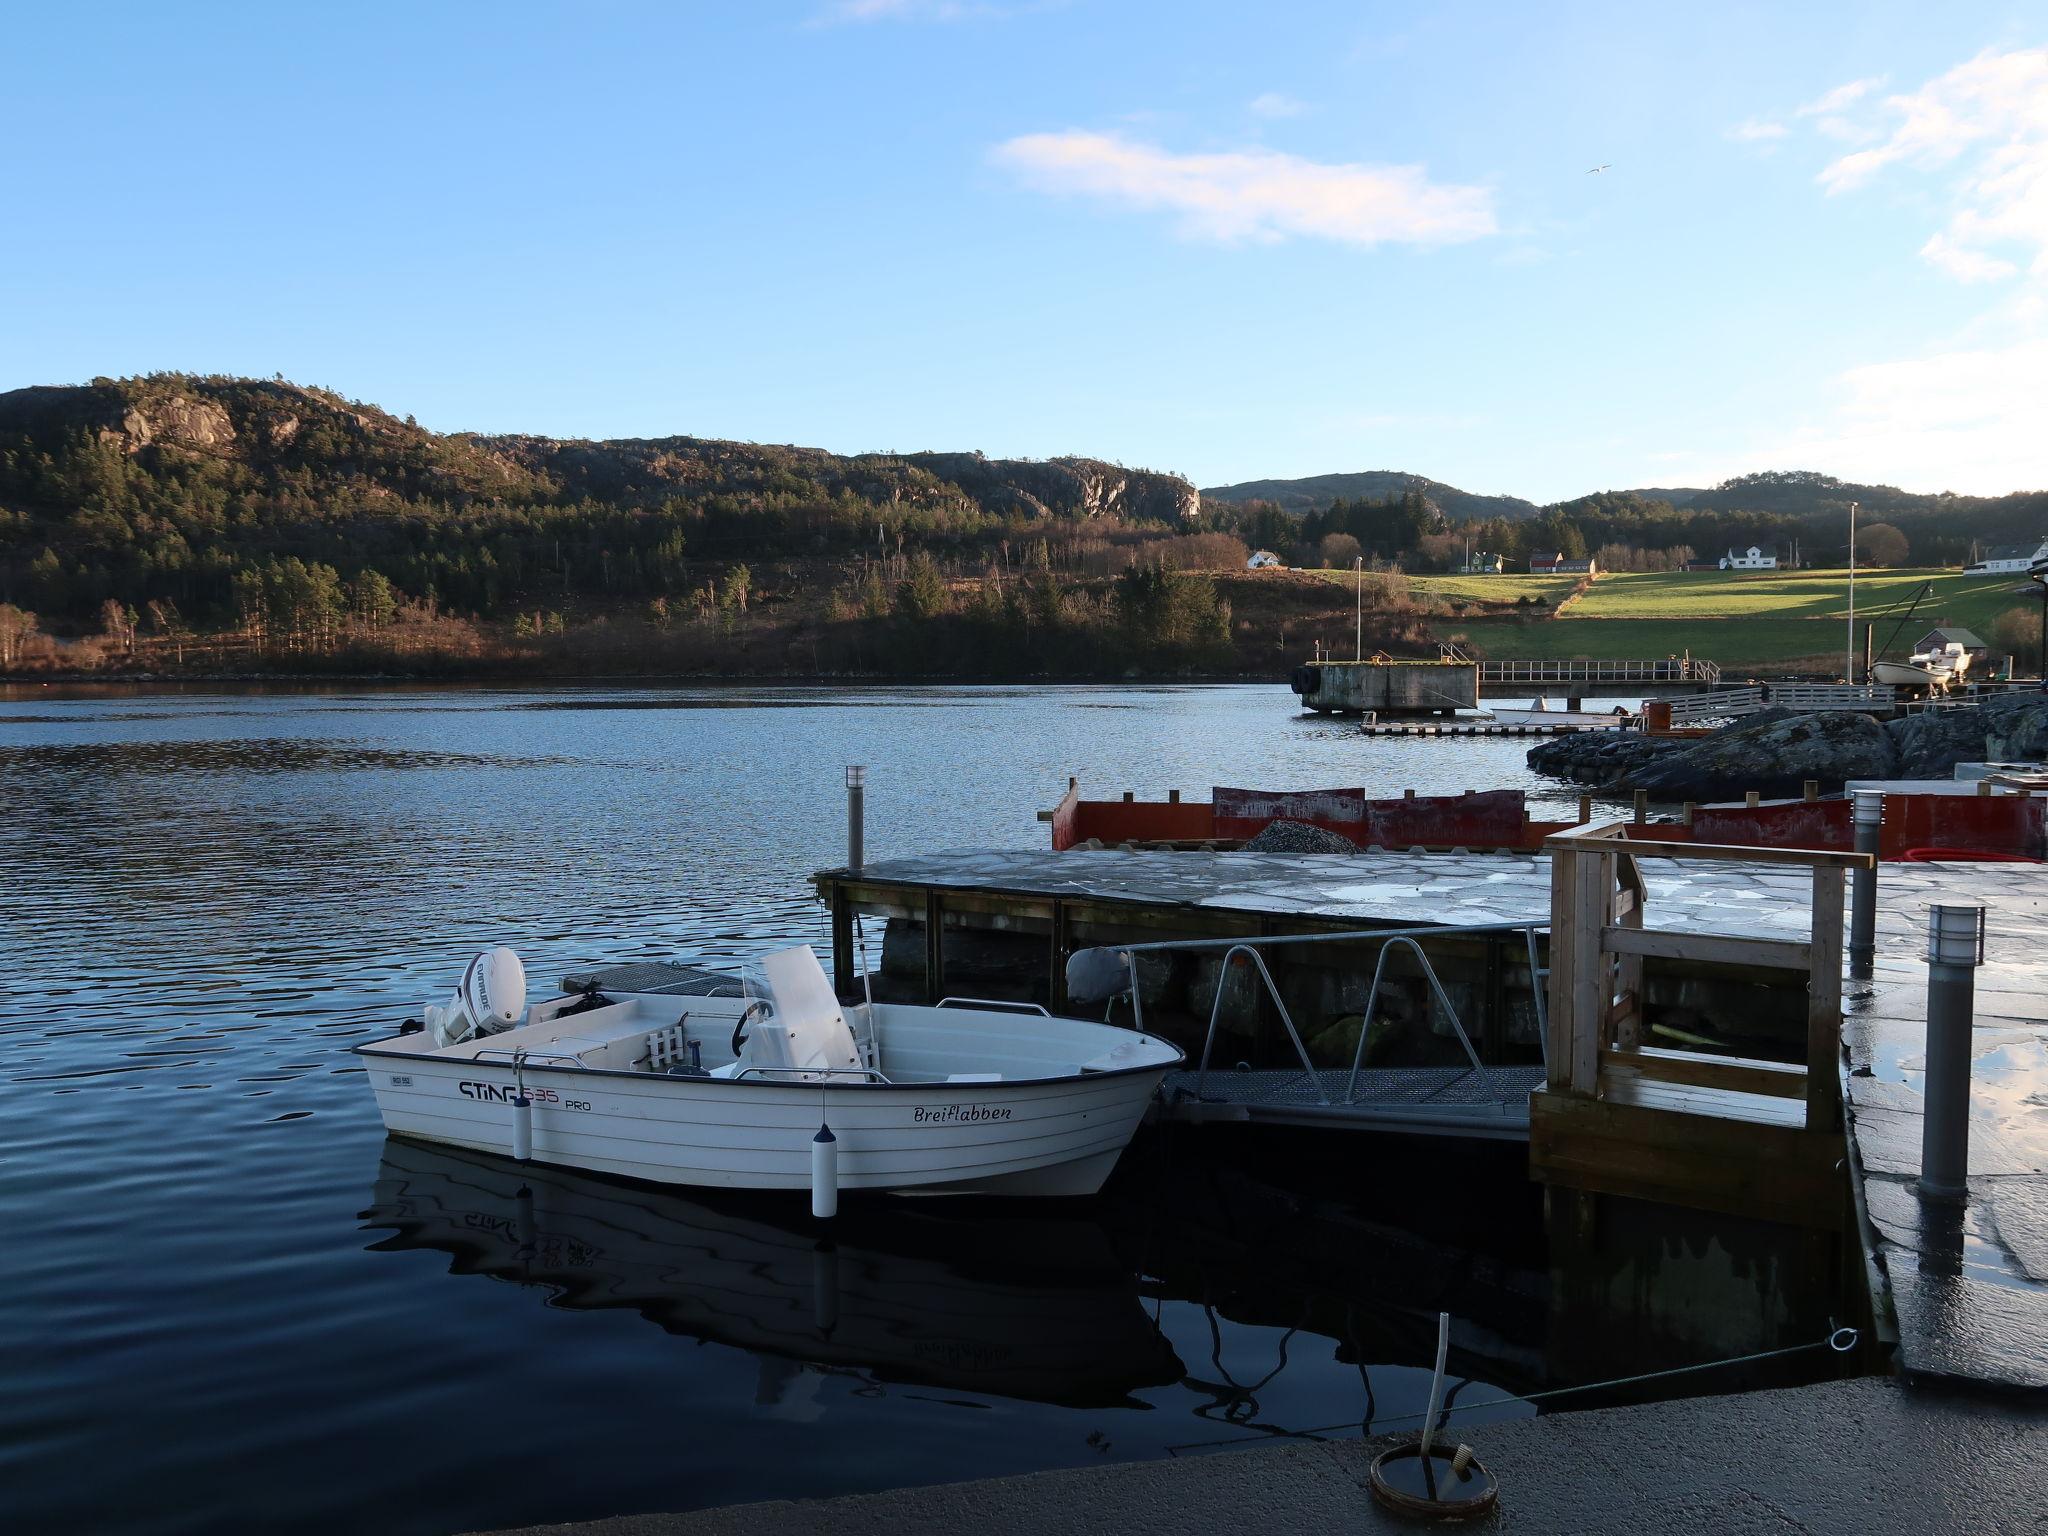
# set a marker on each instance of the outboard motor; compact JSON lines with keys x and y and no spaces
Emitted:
{"x":491,"y":997}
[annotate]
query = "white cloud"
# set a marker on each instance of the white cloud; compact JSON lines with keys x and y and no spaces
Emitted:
{"x":1274,"y":104}
{"x":1967,"y":419}
{"x":1254,"y":194}
{"x":1840,"y":97}
{"x":1757,"y":131}
{"x":1986,"y":120}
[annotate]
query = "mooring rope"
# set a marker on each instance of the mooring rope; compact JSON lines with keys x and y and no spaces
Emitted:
{"x":1840,"y":1340}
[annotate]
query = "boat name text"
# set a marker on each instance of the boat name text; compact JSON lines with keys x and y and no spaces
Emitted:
{"x":958,"y":1114}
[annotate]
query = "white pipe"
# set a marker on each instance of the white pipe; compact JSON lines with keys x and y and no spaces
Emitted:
{"x":824,"y":1174}
{"x":522,"y":1127}
{"x":1436,"y":1384}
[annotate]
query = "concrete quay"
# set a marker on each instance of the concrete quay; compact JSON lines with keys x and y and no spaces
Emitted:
{"x":1866,"y":1457}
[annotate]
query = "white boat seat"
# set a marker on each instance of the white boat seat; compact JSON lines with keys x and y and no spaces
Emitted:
{"x":669,"y":1046}
{"x":808,"y":1031}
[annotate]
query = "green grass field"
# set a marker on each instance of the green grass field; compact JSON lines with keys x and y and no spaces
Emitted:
{"x":1548,"y":590}
{"x":1967,"y":600}
{"x":1791,"y":619}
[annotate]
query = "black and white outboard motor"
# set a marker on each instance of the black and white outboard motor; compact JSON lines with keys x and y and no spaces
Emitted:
{"x":490,"y":998}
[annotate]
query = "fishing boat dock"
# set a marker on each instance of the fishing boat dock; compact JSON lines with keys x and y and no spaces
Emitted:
{"x":1625,"y":931}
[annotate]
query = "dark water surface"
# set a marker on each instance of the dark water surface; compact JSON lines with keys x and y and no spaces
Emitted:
{"x":226,"y":1303}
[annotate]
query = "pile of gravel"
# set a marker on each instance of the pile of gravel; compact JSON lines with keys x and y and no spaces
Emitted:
{"x":1299,"y":837}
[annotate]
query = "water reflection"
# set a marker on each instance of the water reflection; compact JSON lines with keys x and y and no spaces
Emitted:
{"x":1029,"y":1306}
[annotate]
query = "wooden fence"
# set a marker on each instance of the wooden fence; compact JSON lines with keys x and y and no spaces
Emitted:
{"x":1622,"y":1117}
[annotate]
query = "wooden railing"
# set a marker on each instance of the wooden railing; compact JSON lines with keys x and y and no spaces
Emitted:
{"x":1598,"y":944}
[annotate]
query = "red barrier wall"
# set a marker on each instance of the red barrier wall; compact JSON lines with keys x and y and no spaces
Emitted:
{"x":2010,"y":824}
{"x":1242,"y":813}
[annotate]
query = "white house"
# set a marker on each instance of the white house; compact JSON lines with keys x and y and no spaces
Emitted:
{"x":1482,"y":563}
{"x":1758,"y":557}
{"x":1263,"y":560}
{"x":2015,"y":558}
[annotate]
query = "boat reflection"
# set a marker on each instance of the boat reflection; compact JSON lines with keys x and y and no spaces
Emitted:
{"x":1023,"y":1306}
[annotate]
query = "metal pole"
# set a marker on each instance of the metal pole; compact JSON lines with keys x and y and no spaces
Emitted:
{"x":1866,"y":814}
{"x":856,"y":815}
{"x":1849,"y":660}
{"x":1955,"y":948}
{"x":1358,"y":637}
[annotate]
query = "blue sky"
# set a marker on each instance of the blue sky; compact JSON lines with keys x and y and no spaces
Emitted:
{"x":1230,"y":240}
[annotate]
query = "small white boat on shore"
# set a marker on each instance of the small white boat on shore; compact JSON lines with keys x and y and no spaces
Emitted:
{"x":1931,"y":670}
{"x":721,"y":1087}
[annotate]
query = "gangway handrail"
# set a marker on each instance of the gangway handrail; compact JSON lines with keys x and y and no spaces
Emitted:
{"x":1308,"y":1067}
{"x":1129,"y":953}
{"x":1436,"y":986}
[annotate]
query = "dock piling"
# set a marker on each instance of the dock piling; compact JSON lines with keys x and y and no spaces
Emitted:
{"x":1955,"y":948}
{"x":1867,"y":816}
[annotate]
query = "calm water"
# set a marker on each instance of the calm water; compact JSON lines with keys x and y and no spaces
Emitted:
{"x":229,"y":1304}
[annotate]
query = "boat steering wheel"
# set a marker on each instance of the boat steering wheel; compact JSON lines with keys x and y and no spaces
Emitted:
{"x":739,"y":1029}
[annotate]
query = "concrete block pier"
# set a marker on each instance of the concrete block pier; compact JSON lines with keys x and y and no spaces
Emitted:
{"x":1386,"y":687}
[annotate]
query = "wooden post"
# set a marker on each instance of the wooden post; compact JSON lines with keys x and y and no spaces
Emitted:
{"x":1407,"y":794}
{"x":934,"y":947}
{"x":1751,"y":798}
{"x":1642,"y":806}
{"x":1824,"y":1004}
{"x":1813,"y":789}
{"x":1129,"y":797}
{"x":1557,"y":1048}
{"x":1628,"y":969}
{"x":1586,"y":1011}
{"x":1585,"y":809}
{"x":1173,"y":797}
{"x":1056,"y":984}
{"x":1688,"y":812}
{"x":844,"y":977}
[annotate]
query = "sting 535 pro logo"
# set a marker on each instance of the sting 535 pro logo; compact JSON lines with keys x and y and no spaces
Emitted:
{"x":501,"y":1093}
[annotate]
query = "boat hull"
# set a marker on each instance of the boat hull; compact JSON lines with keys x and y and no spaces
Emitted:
{"x":1052,"y":1137}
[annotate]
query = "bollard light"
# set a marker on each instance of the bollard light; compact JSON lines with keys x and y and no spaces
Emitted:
{"x":856,"y":776}
{"x":1955,"y":948}
{"x":1955,"y":936}
{"x":1866,"y":807}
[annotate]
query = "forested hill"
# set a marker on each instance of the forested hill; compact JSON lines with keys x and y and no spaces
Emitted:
{"x":1770,"y":494}
{"x":173,"y":488}
{"x":1319,"y":492}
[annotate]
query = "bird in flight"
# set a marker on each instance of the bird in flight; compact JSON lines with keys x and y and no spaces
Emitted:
{"x":1596,"y":170}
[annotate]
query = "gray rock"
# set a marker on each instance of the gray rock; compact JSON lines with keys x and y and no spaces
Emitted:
{"x":1774,"y":757}
{"x":1299,"y":837}
{"x":1931,"y":743}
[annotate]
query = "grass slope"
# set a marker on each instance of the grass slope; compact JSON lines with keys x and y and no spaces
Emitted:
{"x":1771,"y":619}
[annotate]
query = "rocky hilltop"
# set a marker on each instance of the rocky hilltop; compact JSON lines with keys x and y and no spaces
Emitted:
{"x":320,"y":442}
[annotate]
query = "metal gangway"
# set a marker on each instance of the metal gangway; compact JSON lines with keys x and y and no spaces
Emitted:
{"x":1477,"y":1099}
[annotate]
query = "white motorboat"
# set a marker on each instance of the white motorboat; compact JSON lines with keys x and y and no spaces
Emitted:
{"x":718,"y":1086}
{"x":1931,"y":670}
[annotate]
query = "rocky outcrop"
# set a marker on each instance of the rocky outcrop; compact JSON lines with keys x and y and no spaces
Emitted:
{"x":1775,"y":758}
{"x":1777,"y":752}
{"x":179,"y":419}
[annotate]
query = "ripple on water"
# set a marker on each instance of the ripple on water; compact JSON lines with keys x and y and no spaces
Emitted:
{"x":211,"y":898}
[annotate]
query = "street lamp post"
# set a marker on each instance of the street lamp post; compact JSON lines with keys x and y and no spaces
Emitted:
{"x":1849,"y":669}
{"x":1358,"y":631}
